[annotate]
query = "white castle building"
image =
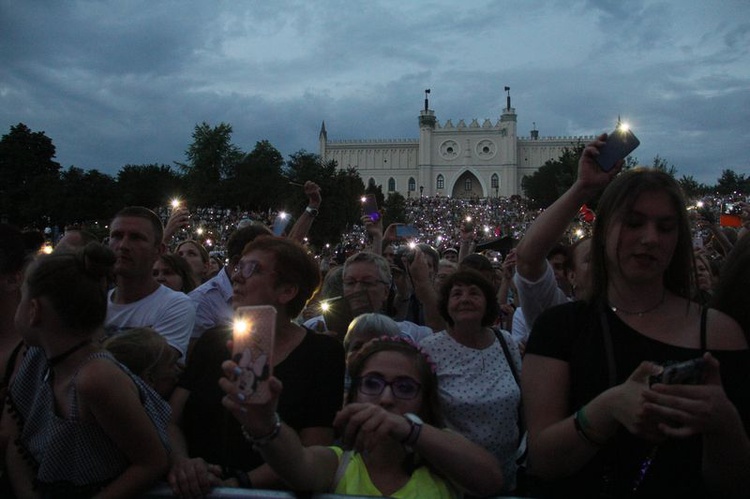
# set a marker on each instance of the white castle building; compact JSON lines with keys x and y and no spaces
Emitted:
{"x":459,"y":160}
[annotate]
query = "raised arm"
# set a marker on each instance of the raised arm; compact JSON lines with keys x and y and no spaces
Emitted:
{"x":550,"y":225}
{"x":305,"y":220}
{"x":302,"y":468}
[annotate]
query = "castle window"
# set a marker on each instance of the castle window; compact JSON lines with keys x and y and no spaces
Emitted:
{"x":495,"y":181}
{"x":412,"y":184}
{"x":440,"y":182}
{"x":467,"y":184}
{"x":371,"y":182}
{"x":391,"y":184}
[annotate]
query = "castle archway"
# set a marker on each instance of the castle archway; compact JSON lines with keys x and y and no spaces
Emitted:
{"x":467,"y":186}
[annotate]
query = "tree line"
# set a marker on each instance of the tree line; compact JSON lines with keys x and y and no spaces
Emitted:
{"x":36,"y":192}
{"x":556,"y":176}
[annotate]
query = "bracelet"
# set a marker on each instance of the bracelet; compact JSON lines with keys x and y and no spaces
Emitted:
{"x":258,"y":442}
{"x":581,"y":423}
{"x":414,"y":432}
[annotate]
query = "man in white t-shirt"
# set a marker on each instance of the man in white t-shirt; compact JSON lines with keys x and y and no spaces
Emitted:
{"x":135,"y":236}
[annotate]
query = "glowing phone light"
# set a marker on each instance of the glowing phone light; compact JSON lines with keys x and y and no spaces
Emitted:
{"x":175,"y":203}
{"x":241,"y":328}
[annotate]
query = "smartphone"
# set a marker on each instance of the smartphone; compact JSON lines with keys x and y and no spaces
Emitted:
{"x":370,"y":207}
{"x":253,"y":339}
{"x":620,"y":143}
{"x":689,"y":372}
{"x":468,"y":225}
{"x":406,"y":231}
{"x":280,"y":223}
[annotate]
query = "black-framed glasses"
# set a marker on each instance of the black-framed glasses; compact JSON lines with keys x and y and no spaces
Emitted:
{"x":249,"y":268}
{"x":363,"y":283}
{"x":402,"y":387}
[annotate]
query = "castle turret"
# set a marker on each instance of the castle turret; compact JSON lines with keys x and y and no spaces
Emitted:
{"x":427,"y":123}
{"x":323,"y":140}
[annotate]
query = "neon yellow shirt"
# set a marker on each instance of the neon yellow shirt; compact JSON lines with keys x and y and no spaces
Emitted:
{"x":423,"y":482}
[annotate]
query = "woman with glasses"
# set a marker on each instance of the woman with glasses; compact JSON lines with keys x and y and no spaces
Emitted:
{"x":478,"y":368}
{"x":393,"y":444}
{"x":210,"y":450}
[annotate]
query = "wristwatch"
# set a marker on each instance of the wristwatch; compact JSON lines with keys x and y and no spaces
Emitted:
{"x":312,"y":211}
{"x":416,"y":428}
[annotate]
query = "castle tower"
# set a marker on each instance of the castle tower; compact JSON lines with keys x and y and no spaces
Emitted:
{"x":427,"y":123}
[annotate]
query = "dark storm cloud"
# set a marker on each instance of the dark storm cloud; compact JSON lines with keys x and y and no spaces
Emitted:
{"x":115,"y":83}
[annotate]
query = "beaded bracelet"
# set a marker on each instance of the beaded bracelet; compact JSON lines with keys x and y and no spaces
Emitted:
{"x":581,"y":422}
{"x":258,"y":442}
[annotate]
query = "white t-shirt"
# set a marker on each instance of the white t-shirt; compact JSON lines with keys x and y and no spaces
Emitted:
{"x":170,"y":313}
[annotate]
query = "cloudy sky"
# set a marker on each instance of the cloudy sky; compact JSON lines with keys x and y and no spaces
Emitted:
{"x":116,"y":82}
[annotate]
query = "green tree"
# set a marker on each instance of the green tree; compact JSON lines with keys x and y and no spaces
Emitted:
{"x":212,"y":158}
{"x":89,"y":196}
{"x":395,"y":209}
{"x":730,"y":182}
{"x":691,"y":187}
{"x":553,"y":178}
{"x":148,"y":185}
{"x":257,"y":181}
{"x":29,"y":177}
{"x":661,"y":164}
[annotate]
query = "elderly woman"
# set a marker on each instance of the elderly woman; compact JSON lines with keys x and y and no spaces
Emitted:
{"x":599,"y":424}
{"x":477,"y":367}
{"x":209,"y":449}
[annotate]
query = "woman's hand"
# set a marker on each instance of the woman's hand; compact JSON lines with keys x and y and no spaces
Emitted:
{"x":363,"y":426}
{"x":629,"y":409}
{"x":257,"y":418}
{"x":591,"y":178}
{"x":179,"y":218}
{"x":686,"y":410}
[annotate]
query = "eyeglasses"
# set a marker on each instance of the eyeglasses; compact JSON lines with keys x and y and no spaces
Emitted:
{"x":403,"y":387}
{"x":364,"y":283}
{"x":249,"y":268}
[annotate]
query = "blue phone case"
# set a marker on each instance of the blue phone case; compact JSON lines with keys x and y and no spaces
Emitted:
{"x":619,"y":144}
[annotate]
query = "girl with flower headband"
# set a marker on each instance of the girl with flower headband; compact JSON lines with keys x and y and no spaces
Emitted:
{"x":391,"y":422}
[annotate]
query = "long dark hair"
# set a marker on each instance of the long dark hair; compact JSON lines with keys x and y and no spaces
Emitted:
{"x":616,"y":202}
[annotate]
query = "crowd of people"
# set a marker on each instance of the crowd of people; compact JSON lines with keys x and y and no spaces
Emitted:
{"x":495,"y":351}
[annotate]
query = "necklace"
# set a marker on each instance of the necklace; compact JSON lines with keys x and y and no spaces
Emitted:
{"x":53,"y":361}
{"x":640,"y":313}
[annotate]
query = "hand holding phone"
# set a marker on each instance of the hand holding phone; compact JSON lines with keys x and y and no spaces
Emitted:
{"x":370,"y":207}
{"x":253,"y":340}
{"x":620,"y":143}
{"x":689,"y":372}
